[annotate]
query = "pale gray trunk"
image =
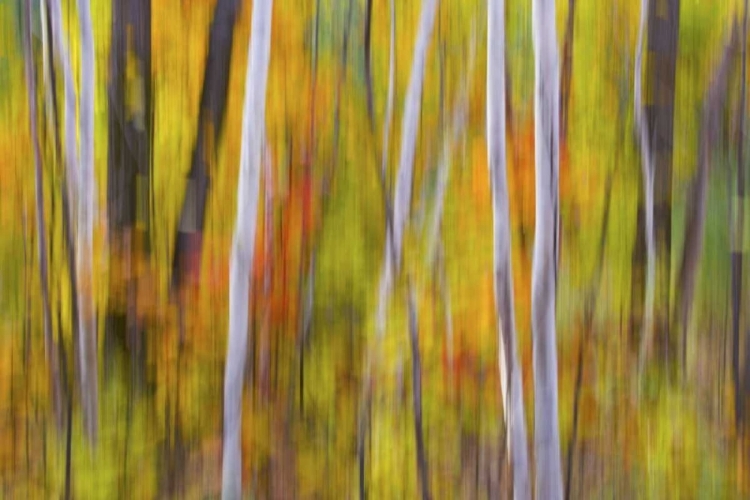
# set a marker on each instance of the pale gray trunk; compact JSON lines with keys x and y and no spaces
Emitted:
{"x":458,"y":124}
{"x":544,"y":272}
{"x":88,"y":363}
{"x":50,"y":347}
{"x":243,"y":243}
{"x":60,"y":48}
{"x":86,"y":341}
{"x":510,"y":369}
{"x":647,"y":169}
{"x":402,"y":200}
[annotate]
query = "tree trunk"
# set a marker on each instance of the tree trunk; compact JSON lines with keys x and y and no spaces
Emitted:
{"x":50,"y":347}
{"x":401,"y":208}
{"x":663,"y":29}
{"x":85,"y":340}
{"x":739,"y":240}
{"x":567,"y":70}
{"x":696,"y":210}
{"x":416,"y":373}
{"x":244,"y":242}
{"x":368,"y":67}
{"x":647,"y":171}
{"x":88,"y":364}
{"x":544,"y":272}
{"x":189,"y":240}
{"x":129,"y":172}
{"x":510,"y":369}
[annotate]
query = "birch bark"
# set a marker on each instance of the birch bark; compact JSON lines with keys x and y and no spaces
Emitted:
{"x":510,"y":371}
{"x":396,"y":225}
{"x":544,"y":271}
{"x":243,"y":243}
{"x":88,"y":363}
{"x":50,"y":347}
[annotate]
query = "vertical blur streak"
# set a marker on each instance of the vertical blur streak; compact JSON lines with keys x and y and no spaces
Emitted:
{"x":544,"y":272}
{"x":696,"y":211}
{"x":60,"y":48}
{"x":401,"y":205}
{"x":511,"y":380}
{"x":647,"y":171}
{"x":588,"y":322}
{"x":739,"y":248}
{"x":416,"y":373}
{"x":189,"y":238}
{"x":129,"y":180}
{"x":243,"y":243}
{"x":368,"y":66}
{"x":86,"y":211}
{"x":567,"y":71}
{"x":661,"y":72}
{"x":49,"y":344}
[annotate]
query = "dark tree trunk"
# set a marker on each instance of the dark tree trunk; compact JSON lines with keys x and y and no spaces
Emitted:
{"x":368,"y":67}
{"x":189,"y":240}
{"x":567,"y":70}
{"x":696,"y":210}
{"x":739,"y":246}
{"x":129,"y":174}
{"x":661,"y":59}
{"x":416,"y":374}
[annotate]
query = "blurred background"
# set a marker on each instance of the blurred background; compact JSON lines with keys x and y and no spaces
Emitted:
{"x":144,"y":297}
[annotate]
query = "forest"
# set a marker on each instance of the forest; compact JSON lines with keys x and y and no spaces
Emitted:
{"x":374,"y":249}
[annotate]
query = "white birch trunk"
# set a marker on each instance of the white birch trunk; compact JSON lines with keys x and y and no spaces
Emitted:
{"x":458,"y":124}
{"x":50,"y":348}
{"x":543,"y":282}
{"x":88,"y":363}
{"x":402,"y":199}
{"x":243,"y":243}
{"x":647,"y":170}
{"x":61,"y":54}
{"x":510,"y":369}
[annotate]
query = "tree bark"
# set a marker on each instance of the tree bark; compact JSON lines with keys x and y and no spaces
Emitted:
{"x":85,"y":341}
{"x":510,"y":369}
{"x":739,"y":239}
{"x":661,"y":58}
{"x":416,"y":373}
{"x":696,"y":211}
{"x":368,"y":67}
{"x":129,"y":172}
{"x":647,"y":172}
{"x":189,"y":240}
{"x":588,"y":321}
{"x":401,"y":207}
{"x":88,"y":364}
{"x":50,"y":347}
{"x":544,"y":272}
{"x":567,"y":70}
{"x":244,"y":242}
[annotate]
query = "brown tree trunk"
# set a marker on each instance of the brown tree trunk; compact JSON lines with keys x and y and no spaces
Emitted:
{"x":129,"y":174}
{"x":696,"y":211}
{"x":661,"y":59}
{"x":566,"y":71}
{"x":189,"y":240}
{"x":416,"y":373}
